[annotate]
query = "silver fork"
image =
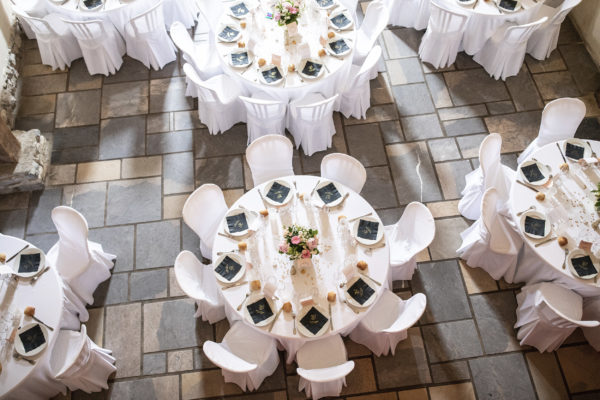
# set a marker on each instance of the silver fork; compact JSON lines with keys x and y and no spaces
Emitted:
{"x":35,"y":278}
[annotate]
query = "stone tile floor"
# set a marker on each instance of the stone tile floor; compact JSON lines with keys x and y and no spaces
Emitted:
{"x":128,"y":150}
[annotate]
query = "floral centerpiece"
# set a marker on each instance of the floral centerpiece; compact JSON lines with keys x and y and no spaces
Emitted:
{"x":299,"y":242}
{"x":288,"y":11}
{"x":597,"y":192}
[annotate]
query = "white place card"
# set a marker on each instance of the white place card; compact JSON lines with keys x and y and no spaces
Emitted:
{"x":276,"y":59}
{"x":304,"y":50}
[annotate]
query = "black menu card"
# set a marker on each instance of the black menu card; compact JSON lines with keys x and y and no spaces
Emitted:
{"x":228,"y":268}
{"x":271,"y":75}
{"x":532,"y":173}
{"x":314,"y":320}
{"x":237,"y":223}
{"x":329,"y":193}
{"x":29,"y":263}
{"x":367,"y":229}
{"x":583,"y":265}
{"x":361,"y":291}
{"x":339,"y":46}
{"x":278,"y":192}
{"x":260,"y":310}
{"x":32,"y":338}
{"x":535,"y":226}
{"x":574,"y":151}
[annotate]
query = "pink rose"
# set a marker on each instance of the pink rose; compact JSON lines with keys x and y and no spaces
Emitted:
{"x":312,"y":243}
{"x":293,"y":10}
{"x":277,"y":17}
{"x":295,"y":239}
{"x":283,"y":247}
{"x":306,"y":253}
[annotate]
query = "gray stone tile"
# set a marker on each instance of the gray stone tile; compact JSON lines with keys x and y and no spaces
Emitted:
{"x":169,"y":95}
{"x":34,"y":85}
{"x":178,"y":175}
{"x":503,"y":376}
{"x":201,"y":361}
{"x":582,"y":67}
{"x":127,"y":98}
{"x":517,"y":130}
{"x":452,"y":177}
{"x":184,"y":120}
{"x":169,"y":70}
{"x":131,"y":70}
{"x":390,"y":216}
{"x":31,"y":105}
{"x":226,"y":172}
{"x":75,"y":155}
{"x":439,"y":91}
{"x":451,"y":341}
{"x":441,"y":277}
{"x":32,"y":56}
{"x":157,"y":244}
{"x":550,"y":64}
{"x":170,"y":325}
{"x":501,"y":107}
{"x":154,"y":363}
{"x":465,"y":61}
{"x":403,"y":42}
{"x":391,"y":131}
{"x":159,"y":388}
{"x":135,"y":200}
{"x":465,"y":126}
{"x":365,"y":144}
{"x":380,"y":93}
{"x":405,"y":70}
{"x":81,"y":136}
{"x":158,"y":123}
{"x":147,"y":285}
{"x":579,"y":365}
{"x":523,"y":91}
{"x":469,"y":145}
{"x":89,"y":199}
{"x":123,"y":335}
{"x":450,"y":372}
{"x":112,"y":291}
{"x":43,"y":122}
{"x":40,"y":206}
{"x":413,"y":173}
{"x":190,"y":241}
{"x":381,"y":113}
{"x":44,"y":241}
{"x":182,"y":360}
{"x":413,"y":99}
{"x":13,"y":222}
{"x":172,"y":142}
{"x":495,"y":317}
{"x":474,"y":86}
{"x":447,"y":114}
{"x":116,"y":240}
{"x":14,"y":201}
{"x":122,"y":137}
{"x":379,"y":188}
{"x":568,"y":33}
{"x":407,"y":367}
{"x":553,"y":85}
{"x":80,"y":78}
{"x":78,"y":108}
{"x":421,"y":127}
{"x":446,"y":240}
{"x":588,"y":129}
{"x":231,"y":142}
{"x":443,"y":149}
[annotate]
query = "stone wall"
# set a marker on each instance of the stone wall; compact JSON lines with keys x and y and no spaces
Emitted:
{"x":10,"y":92}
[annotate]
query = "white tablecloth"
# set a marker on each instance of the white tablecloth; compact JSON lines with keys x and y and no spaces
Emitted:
{"x":270,"y":40}
{"x":551,"y":253}
{"x":19,"y":379}
{"x":262,"y":254}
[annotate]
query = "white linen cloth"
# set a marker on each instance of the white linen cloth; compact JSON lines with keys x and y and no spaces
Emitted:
{"x":356,"y":99}
{"x":544,"y":40}
{"x":270,"y":157}
{"x":409,"y":13}
{"x":326,"y":275}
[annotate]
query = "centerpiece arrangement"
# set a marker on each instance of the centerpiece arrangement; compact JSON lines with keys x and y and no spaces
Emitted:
{"x":288,"y":11}
{"x":300,"y":244}
{"x":597,"y":192}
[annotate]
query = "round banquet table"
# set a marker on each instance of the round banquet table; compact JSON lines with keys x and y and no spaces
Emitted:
{"x":577,"y":228}
{"x":269,"y":39}
{"x":262,"y":254}
{"x":19,"y":379}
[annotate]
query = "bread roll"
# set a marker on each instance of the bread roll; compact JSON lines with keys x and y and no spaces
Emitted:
{"x":261,"y":62}
{"x":242,"y":246}
{"x":2,"y":258}
{"x":540,"y":196}
{"x":562,"y":241}
{"x":322,"y":53}
{"x":362,"y":265}
{"x":255,"y":285}
{"x":287,"y":307}
{"x":330,"y":35}
{"x":241,"y":45}
{"x":264,"y":213}
{"x":29,"y":311}
{"x":331,"y":297}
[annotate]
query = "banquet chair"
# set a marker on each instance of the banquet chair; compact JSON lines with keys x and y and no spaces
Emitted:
{"x":80,"y":364}
{"x":183,"y":11}
{"x":560,"y":120}
{"x":212,"y":11}
{"x":310,"y":121}
{"x":264,"y":117}
{"x":503,"y":54}
{"x":219,"y":106}
{"x":270,"y":157}
{"x":322,"y":366}
{"x":409,"y":13}
{"x":81,"y":263}
{"x":203,"y":212}
{"x":375,"y":20}
{"x":356,"y":98}
{"x":344,"y":169}
{"x":492,"y":243}
{"x":147,"y":39}
{"x":413,"y":232}
{"x":246,"y":356}
{"x":388,"y":321}
{"x":101,"y":45}
{"x":441,"y":41}
{"x":58,"y":47}
{"x":547,"y":314}
{"x":544,"y":40}
{"x":490,"y":173}
{"x":197,"y":282}
{"x":591,"y":311}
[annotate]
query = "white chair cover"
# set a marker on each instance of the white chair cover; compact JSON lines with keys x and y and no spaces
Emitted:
{"x":79,"y":363}
{"x":544,"y":40}
{"x":356,"y":98}
{"x":270,"y":157}
{"x":492,"y":242}
{"x":490,"y":173}
{"x":560,"y":120}
{"x":219,"y":106}
{"x":591,"y":311}
{"x":503,"y":54}
{"x":413,"y":232}
{"x":409,"y":13}
{"x":547,"y":314}
{"x":264,"y":117}
{"x":246,"y":356}
{"x":441,"y":41}
{"x":203,"y":212}
{"x":323,"y":365}
{"x":211,"y":11}
{"x":344,"y":169}
{"x":198,"y":282}
{"x":183,"y":11}
{"x":310,"y":121}
{"x":58,"y":47}
{"x":101,"y":45}
{"x":147,"y":39}
{"x":81,"y":263}
{"x":388,"y":321}
{"x":375,"y":21}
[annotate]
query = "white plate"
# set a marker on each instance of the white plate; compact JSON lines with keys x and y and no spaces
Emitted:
{"x":30,"y":250}
{"x":232,"y":37}
{"x":327,"y":4}
{"x":334,"y":203}
{"x":364,"y":241}
{"x":315,"y":61}
{"x":346,"y":14}
{"x":20,"y":349}
{"x":466,"y":3}
{"x":266,"y":68}
{"x":335,"y":39}
{"x":579,"y":253}
{"x":538,"y":215}
{"x":240,"y":51}
{"x":253,"y":299}
{"x":250,"y":219}
{"x":238,"y":258}
{"x":351,"y":300}
{"x":587,"y":150}
{"x":268,"y":186}
{"x":508,"y":10}
{"x":543,"y":169}
{"x":83,"y":7}
{"x":302,"y":329}
{"x":238,"y":4}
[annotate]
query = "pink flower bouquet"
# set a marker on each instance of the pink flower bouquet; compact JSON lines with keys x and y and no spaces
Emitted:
{"x":299,"y":242}
{"x":287,"y":11}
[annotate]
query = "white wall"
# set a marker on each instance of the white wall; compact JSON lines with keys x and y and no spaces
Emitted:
{"x":6,"y":21}
{"x":586,"y":17}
